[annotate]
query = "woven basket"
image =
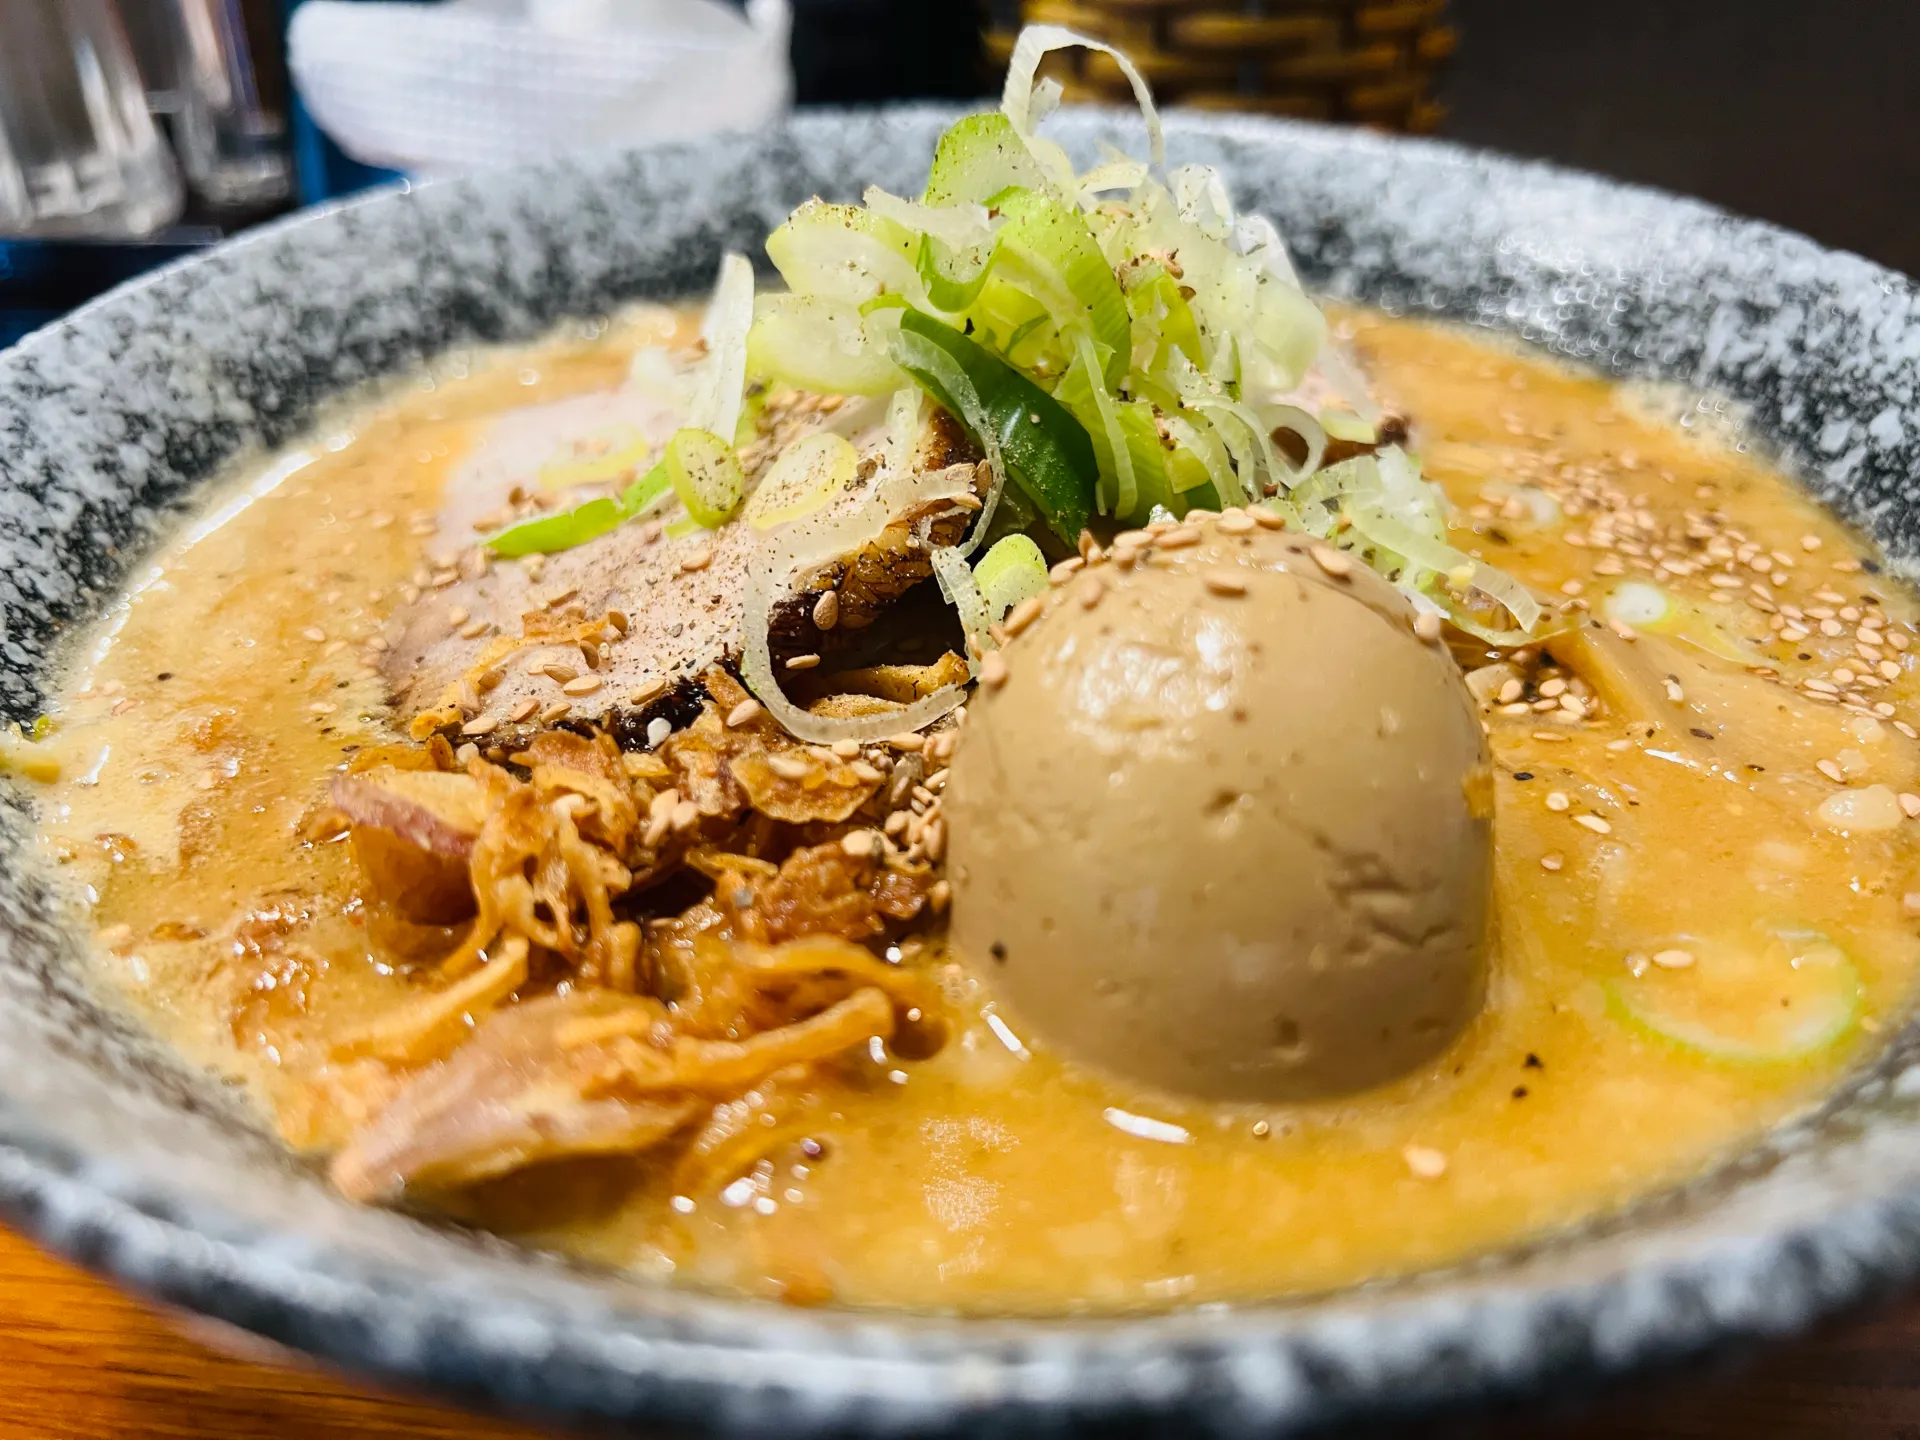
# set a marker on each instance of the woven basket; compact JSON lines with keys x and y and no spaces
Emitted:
{"x":1368,"y":62}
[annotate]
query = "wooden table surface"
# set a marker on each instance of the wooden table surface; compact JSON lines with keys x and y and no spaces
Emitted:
{"x":81,"y":1361}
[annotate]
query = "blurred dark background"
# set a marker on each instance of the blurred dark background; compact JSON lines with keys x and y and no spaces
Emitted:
{"x":1807,"y":114}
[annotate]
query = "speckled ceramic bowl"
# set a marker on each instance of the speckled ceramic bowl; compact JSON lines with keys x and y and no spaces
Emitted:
{"x":115,"y":1153}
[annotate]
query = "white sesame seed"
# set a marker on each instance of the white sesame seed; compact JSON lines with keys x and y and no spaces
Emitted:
{"x":1594,"y":823}
{"x":1331,"y":560}
{"x":481,"y":725}
{"x":861,"y":844}
{"x":698,"y":560}
{"x":581,"y":685}
{"x":1673,"y":959}
{"x":744,"y":713}
{"x":1023,"y":614}
{"x":1426,"y":625}
{"x":1552,"y":861}
{"x":1424,"y":1161}
{"x":1557,"y":801}
{"x":993,"y":671}
{"x":1831,"y":770}
{"x":1224,"y":582}
{"x":803,"y":662}
{"x":826,"y":610}
{"x":906,"y":740}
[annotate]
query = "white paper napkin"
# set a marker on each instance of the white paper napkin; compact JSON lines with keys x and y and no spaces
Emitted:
{"x":473,"y":83}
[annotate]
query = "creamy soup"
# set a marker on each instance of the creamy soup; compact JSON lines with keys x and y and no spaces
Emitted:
{"x":1703,"y":790}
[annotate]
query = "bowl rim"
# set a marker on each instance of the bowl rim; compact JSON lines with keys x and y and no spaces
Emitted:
{"x":736,"y":1366}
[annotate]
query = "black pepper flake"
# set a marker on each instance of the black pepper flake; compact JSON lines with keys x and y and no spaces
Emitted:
{"x":1533,"y":1062}
{"x":1872,"y":567}
{"x":1803,"y":655}
{"x":999,"y":952}
{"x":164,"y":675}
{"x":1701,"y":734}
{"x":1523,"y":774}
{"x":1519,"y":1092}
{"x":1757,"y":769}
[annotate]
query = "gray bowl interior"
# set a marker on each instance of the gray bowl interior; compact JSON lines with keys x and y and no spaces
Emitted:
{"x":113,"y":1152}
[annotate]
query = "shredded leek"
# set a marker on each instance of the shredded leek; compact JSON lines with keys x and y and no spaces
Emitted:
{"x":1120,"y":342}
{"x":719,"y":392}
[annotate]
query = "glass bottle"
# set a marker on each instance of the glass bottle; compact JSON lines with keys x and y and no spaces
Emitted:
{"x":79,"y":152}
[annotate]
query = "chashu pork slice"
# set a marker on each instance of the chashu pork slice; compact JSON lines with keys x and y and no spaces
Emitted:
{"x":620,"y":628}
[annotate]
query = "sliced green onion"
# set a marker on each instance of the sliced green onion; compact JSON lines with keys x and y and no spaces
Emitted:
{"x":1791,"y":996}
{"x":1158,"y":307}
{"x":1118,"y":454}
{"x":1344,"y":425}
{"x":560,"y":531}
{"x":706,"y":475}
{"x":598,"y":458}
{"x":843,"y":252}
{"x":1641,"y":606}
{"x":1010,"y":572}
{"x":959,"y":225}
{"x":1054,"y":241}
{"x":805,"y":476}
{"x":978,"y":157}
{"x":550,"y":534}
{"x":1193,"y":436}
{"x":1047,"y":453}
{"x":818,"y":343}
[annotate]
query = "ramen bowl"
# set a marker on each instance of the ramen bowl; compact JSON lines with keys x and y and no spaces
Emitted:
{"x":116,"y":1152}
